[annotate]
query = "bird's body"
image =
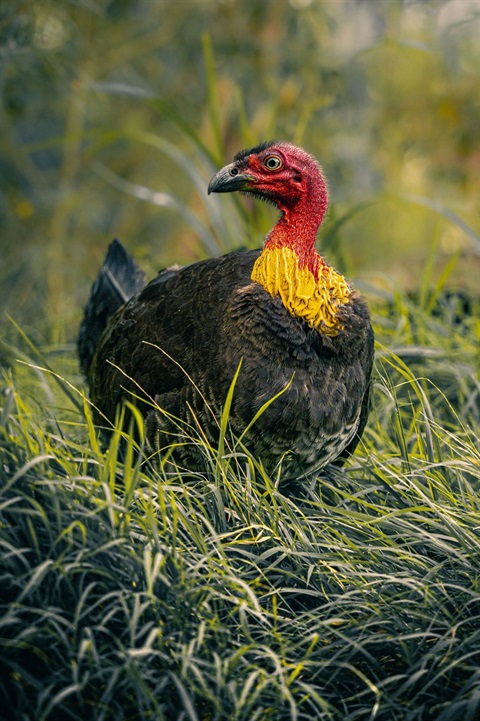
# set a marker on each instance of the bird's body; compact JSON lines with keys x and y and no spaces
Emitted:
{"x":290,"y":325}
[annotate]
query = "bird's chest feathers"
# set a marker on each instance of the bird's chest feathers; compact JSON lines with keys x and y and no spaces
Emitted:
{"x":315,"y":297}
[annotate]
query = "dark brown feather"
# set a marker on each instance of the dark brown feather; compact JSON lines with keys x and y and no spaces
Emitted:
{"x":206,"y":319}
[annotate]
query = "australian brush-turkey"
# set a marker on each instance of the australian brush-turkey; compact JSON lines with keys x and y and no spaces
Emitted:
{"x":296,"y":326}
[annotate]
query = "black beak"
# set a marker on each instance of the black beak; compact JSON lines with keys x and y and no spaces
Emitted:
{"x":228,"y":179}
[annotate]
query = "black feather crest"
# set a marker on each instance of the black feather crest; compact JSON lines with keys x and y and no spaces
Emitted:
{"x":257,"y":149}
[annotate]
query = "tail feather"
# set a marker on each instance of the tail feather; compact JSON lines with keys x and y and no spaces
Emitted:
{"x":118,"y":280}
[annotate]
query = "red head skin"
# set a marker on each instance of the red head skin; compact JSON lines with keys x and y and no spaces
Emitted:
{"x":298,"y":189}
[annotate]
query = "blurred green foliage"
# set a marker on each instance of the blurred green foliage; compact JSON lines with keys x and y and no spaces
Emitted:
{"x":116,"y":112}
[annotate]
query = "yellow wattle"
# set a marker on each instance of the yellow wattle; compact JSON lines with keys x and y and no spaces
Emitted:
{"x":315,"y":301}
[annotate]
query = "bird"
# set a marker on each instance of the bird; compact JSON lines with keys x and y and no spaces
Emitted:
{"x":277,"y":328}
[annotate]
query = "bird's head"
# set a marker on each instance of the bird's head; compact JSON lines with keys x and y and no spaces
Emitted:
{"x":278,"y":172}
{"x":289,"y":265}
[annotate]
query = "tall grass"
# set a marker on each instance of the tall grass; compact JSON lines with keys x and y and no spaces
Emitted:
{"x":144,"y":591}
{"x":133,"y":590}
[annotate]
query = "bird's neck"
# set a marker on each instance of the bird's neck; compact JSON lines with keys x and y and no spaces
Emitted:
{"x":298,"y":233}
{"x":291,"y":268}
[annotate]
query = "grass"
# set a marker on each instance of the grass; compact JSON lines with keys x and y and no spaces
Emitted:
{"x":138,"y":592}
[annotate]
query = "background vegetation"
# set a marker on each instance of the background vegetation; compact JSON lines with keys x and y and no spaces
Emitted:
{"x":100,"y":94}
{"x":128,"y":592}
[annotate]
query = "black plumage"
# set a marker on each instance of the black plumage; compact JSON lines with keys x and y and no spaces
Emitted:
{"x":178,"y":342}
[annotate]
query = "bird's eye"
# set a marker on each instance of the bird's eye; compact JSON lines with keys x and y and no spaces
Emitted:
{"x":273,"y":162}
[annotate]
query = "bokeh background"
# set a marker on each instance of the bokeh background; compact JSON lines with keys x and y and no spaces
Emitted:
{"x":115,"y":113}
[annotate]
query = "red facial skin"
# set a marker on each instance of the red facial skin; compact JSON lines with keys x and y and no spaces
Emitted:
{"x":299,"y":191}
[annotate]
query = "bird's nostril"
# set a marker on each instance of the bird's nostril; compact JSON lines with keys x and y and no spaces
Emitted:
{"x":234,"y":171}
